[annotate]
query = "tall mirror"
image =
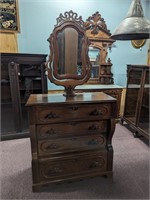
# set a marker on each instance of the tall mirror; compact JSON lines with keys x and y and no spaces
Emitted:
{"x":100,"y":43}
{"x":69,"y":51}
{"x":68,"y":64}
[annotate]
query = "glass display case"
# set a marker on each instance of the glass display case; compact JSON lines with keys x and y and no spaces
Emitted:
{"x":21,"y":75}
{"x":136,"y":111}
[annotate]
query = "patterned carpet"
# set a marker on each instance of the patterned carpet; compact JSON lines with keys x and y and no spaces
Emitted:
{"x":130,"y":180}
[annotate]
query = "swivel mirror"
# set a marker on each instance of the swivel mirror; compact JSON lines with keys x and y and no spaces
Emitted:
{"x":68,"y":64}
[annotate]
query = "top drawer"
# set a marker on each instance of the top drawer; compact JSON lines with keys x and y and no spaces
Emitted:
{"x":74,"y":112}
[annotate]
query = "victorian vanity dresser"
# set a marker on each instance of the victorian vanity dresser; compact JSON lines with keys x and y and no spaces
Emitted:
{"x":70,"y":133}
{"x":71,"y":137}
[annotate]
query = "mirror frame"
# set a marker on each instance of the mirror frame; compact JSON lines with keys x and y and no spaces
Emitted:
{"x":100,"y":38}
{"x":69,"y":81}
{"x":55,"y":45}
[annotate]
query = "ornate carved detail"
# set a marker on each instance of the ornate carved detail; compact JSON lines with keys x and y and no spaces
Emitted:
{"x":50,"y":146}
{"x":51,"y":132}
{"x":96,"y":23}
{"x":55,"y":170}
{"x":99,"y":35}
{"x":94,"y":127}
{"x":48,"y":170}
{"x":99,"y":112}
{"x":98,"y":126}
{"x":69,"y":16}
{"x":52,"y":115}
{"x":74,"y":108}
{"x":95,"y":141}
{"x":45,"y":147}
{"x":47,"y":132}
{"x":96,"y":112}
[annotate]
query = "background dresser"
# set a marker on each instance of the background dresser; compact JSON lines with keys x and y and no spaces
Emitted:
{"x":112,"y":90}
{"x":71,"y":137}
{"x":21,"y":75}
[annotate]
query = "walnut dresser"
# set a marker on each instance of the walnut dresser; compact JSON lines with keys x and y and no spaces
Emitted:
{"x":70,"y":137}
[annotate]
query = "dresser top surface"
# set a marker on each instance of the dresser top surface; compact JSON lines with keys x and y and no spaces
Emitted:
{"x":90,"y":97}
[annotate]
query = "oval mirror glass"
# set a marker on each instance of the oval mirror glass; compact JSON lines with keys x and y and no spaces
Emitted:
{"x":69,"y":52}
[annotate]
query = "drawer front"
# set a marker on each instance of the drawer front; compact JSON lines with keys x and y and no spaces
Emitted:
{"x":72,"y":144}
{"x":71,"y":128}
{"x":63,"y":113}
{"x":73,"y":166}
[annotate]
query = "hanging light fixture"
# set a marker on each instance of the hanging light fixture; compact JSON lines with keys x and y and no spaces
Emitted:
{"x":135,"y":26}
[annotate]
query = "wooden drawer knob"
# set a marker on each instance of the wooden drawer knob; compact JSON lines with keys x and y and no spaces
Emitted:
{"x":51,"y":146}
{"x":51,"y":132}
{"x":93,"y":142}
{"x":55,"y":170}
{"x":52,"y":115}
{"x":94,"y":164}
{"x":74,"y":108}
{"x":94,"y":127}
{"x":96,"y":112}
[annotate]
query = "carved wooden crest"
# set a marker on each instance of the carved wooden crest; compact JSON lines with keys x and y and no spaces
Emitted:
{"x":96,"y":28}
{"x":96,"y":23}
{"x":70,"y":16}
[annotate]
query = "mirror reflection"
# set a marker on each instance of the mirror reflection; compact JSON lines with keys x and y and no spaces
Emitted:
{"x":94,"y":55}
{"x":69,"y":51}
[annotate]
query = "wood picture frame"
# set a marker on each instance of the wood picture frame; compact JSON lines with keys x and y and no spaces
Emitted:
{"x":9,"y":16}
{"x":138,"y":43}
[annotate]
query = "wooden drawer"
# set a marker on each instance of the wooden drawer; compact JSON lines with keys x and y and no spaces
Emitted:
{"x":71,"y":128}
{"x":73,"y":165}
{"x":71,"y":144}
{"x":80,"y":112}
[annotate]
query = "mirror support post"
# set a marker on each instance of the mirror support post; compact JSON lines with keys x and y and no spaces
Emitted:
{"x":69,"y":92}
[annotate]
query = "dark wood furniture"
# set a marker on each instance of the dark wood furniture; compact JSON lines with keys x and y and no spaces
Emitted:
{"x":68,"y":64}
{"x":100,"y":40}
{"x":136,"y":112}
{"x":112,"y":90}
{"x":71,"y":137}
{"x":21,"y":75}
{"x":70,"y":133}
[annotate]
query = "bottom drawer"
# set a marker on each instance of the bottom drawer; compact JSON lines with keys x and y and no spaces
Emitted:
{"x":73,"y":165}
